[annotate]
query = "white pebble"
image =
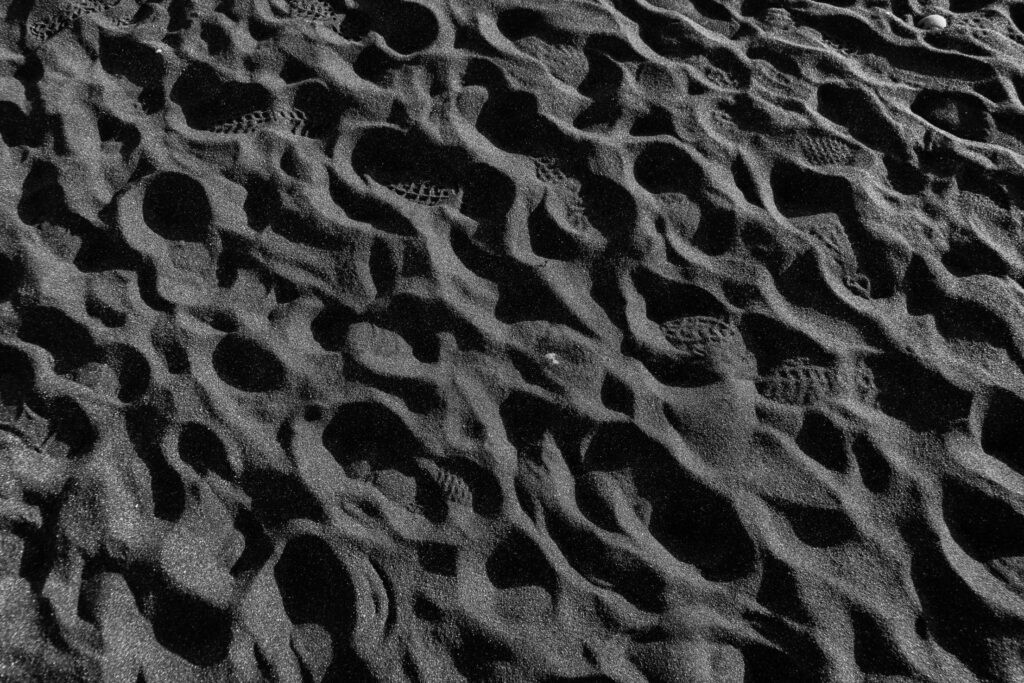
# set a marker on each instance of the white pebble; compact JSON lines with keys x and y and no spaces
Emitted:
{"x":933,"y":22}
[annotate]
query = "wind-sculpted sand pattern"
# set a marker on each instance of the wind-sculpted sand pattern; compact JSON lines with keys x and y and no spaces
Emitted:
{"x":507,"y":340}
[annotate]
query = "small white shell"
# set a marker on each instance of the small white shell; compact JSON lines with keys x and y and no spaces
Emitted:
{"x":933,"y":22}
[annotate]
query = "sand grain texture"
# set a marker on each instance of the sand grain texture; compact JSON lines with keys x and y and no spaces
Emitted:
{"x":508,"y":340}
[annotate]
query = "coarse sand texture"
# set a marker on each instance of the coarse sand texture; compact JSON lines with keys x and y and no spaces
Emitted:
{"x":512,"y":341}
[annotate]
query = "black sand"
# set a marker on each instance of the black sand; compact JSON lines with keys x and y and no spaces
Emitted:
{"x":508,"y":340}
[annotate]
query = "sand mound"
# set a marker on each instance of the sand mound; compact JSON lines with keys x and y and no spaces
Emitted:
{"x":601,"y":340}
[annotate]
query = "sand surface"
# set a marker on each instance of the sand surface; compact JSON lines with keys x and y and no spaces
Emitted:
{"x":509,"y":341}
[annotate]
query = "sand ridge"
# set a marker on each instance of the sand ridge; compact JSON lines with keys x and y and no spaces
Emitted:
{"x":500,"y":340}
